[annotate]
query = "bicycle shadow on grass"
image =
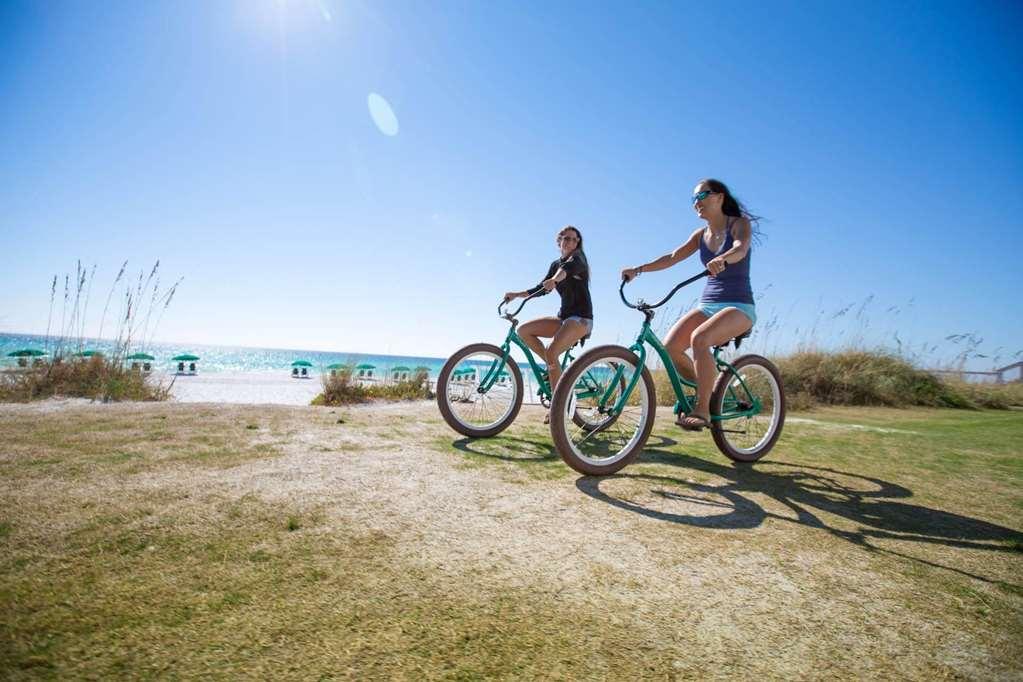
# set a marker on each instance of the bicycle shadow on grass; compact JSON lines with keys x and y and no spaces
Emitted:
{"x":523,"y":449}
{"x":872,"y":504}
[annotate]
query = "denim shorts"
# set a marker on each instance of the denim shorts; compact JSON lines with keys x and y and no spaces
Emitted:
{"x":710,"y":309}
{"x":585,"y":321}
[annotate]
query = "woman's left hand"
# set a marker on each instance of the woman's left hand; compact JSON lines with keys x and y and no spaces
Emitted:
{"x":716,"y":265}
{"x":549,"y":284}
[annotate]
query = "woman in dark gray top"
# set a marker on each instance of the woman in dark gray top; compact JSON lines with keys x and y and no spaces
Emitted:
{"x":570,"y":275}
{"x":726,"y":307}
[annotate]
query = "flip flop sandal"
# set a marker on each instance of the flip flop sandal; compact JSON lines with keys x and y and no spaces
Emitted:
{"x":694,"y":423}
{"x":547,"y":418}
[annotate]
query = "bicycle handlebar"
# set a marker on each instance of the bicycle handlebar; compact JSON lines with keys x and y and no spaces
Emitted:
{"x":505,"y":301}
{"x":642,"y":305}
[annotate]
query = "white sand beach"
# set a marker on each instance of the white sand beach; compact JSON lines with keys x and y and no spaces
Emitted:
{"x":264,"y":388}
{"x":248,"y":388}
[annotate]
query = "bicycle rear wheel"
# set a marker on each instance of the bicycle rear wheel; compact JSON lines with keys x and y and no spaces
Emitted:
{"x":469,"y":409}
{"x":606,"y":442}
{"x":747,"y":437}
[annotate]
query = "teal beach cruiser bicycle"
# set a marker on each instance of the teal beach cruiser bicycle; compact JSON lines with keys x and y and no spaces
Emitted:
{"x":747,"y":404}
{"x":480,"y":388}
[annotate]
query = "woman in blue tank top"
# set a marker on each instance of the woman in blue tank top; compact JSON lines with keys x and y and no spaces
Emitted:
{"x":726,"y":307}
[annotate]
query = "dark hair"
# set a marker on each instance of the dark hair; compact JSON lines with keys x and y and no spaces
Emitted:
{"x":732,"y":206}
{"x":579,"y":245}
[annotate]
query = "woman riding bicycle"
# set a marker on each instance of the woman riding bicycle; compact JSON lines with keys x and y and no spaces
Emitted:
{"x":570,"y":275}
{"x":726,"y":307}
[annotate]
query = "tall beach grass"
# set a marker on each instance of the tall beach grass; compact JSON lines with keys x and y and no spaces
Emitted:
{"x":66,"y":372}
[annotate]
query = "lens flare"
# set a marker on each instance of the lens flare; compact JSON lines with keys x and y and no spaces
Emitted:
{"x":382,"y":114}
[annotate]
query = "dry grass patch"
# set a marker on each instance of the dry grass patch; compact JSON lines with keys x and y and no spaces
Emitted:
{"x":387,"y":546}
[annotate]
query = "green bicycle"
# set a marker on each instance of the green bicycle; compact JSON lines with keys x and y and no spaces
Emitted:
{"x":747,"y":404}
{"x":480,"y":389}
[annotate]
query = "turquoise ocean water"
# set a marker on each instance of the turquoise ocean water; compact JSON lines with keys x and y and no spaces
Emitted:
{"x":224,"y":358}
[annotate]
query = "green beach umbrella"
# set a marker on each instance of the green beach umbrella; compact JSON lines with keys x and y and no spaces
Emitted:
{"x":140,"y":356}
{"x":401,"y":368}
{"x":26,"y":353}
{"x":301,"y":363}
{"x":365,"y":366}
{"x":421,"y":368}
{"x":88,"y":354}
{"x":337,"y":365}
{"x":185,"y":358}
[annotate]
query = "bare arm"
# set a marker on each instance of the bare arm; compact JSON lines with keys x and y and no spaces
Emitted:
{"x":742,"y":233}
{"x":687,"y":249}
{"x":552,"y":274}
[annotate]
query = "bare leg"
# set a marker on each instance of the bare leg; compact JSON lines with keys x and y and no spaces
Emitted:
{"x":530,"y":333}
{"x":570,"y":332}
{"x":719,"y":329}
{"x":678,"y":339}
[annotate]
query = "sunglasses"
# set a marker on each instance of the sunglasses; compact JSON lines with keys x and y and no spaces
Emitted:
{"x":568,"y":238}
{"x":700,"y":196}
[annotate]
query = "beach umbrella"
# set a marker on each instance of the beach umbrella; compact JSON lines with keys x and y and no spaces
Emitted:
{"x":140,"y":356}
{"x":185,"y":358}
{"x":421,"y":368}
{"x":365,"y":366}
{"x":88,"y":354}
{"x":301,"y":363}
{"x":336,"y":365}
{"x":26,"y":353}
{"x":401,"y":368}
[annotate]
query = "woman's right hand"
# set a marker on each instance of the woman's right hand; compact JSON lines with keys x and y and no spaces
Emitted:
{"x":628,"y":274}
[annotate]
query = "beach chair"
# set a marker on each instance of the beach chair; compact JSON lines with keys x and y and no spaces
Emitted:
{"x":305,"y":373}
{"x":294,"y":372}
{"x":147,"y":367}
{"x":191,"y":368}
{"x":181,"y":368}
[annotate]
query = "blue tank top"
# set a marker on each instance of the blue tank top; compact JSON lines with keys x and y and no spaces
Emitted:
{"x":732,"y":285}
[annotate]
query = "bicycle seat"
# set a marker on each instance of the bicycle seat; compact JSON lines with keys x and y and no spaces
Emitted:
{"x":737,"y":340}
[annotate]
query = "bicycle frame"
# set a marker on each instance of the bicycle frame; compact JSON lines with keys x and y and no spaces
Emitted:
{"x":749,"y":407}
{"x":497,"y":367}
{"x":589,"y":387}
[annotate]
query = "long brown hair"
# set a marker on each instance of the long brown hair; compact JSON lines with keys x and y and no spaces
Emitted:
{"x":578,"y":246}
{"x":732,"y":207}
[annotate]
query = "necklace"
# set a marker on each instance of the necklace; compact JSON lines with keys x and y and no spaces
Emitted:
{"x":716,"y":241}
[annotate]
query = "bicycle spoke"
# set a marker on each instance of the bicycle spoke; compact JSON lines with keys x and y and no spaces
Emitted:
{"x":469,"y":406}
{"x":597,"y":437}
{"x":748,"y":434}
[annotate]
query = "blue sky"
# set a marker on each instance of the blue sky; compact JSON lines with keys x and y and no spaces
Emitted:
{"x":233,"y":141}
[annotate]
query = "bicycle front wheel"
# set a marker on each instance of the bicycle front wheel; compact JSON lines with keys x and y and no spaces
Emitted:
{"x":476,"y":396}
{"x":587,"y":413}
{"x":607,"y":441}
{"x":751,"y":402}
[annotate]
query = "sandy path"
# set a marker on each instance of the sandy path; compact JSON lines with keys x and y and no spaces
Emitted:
{"x":716,"y":576}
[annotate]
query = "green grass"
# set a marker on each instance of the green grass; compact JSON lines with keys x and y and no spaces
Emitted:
{"x":137,"y":544}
